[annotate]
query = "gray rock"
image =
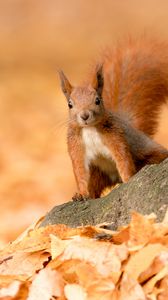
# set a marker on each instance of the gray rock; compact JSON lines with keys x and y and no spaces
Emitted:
{"x":146,"y":192}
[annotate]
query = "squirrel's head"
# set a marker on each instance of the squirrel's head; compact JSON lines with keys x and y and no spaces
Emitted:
{"x":85,"y":102}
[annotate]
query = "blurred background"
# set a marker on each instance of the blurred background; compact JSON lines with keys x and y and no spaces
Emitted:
{"x":37,"y":37}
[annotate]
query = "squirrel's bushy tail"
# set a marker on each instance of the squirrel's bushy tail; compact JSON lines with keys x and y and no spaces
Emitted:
{"x":136,"y":81}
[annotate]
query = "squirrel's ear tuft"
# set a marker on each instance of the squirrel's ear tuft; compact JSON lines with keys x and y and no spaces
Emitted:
{"x":98,"y":80}
{"x":65,"y":84}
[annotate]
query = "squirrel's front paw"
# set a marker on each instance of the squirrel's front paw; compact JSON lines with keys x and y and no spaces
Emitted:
{"x":80,"y":197}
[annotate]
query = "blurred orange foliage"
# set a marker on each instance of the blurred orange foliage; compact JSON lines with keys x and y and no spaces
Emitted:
{"x":36,"y":38}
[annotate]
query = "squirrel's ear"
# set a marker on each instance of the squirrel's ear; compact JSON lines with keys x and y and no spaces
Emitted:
{"x":98,"y":80}
{"x":65,"y":84}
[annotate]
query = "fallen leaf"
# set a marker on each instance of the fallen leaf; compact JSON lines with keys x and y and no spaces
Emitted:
{"x":141,"y":229}
{"x":67,"y":269}
{"x":25,"y":264}
{"x":154,"y":295}
{"x":148,"y":287}
{"x":164,"y":287}
{"x":161,"y":234}
{"x":46,"y":284}
{"x":75,"y":292}
{"x":29,"y":229}
{"x":105,"y":256}
{"x":6,"y":280}
{"x":39,"y":239}
{"x":130,"y":289}
{"x":156,"y":266}
{"x":88,"y":263}
{"x":141,"y":260}
{"x":11,"y":290}
{"x":57,"y":246}
{"x":122,"y":236}
{"x":96,"y":286}
{"x":22,"y":294}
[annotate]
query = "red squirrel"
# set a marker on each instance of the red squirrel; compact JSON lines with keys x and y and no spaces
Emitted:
{"x":113,"y":116}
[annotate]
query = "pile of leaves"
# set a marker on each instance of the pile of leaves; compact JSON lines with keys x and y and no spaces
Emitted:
{"x":57,"y":262}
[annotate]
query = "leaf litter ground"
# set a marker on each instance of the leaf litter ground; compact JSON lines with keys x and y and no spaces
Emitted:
{"x":91,"y":262}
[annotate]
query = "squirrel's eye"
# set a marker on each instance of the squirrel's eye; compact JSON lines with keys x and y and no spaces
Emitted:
{"x":97,"y":101}
{"x":70,"y":104}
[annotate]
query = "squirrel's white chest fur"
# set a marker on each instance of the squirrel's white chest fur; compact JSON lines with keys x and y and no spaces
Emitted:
{"x":93,"y":144}
{"x":97,"y":153}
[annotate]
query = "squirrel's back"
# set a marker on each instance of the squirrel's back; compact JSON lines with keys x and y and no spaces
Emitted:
{"x":136,"y":81}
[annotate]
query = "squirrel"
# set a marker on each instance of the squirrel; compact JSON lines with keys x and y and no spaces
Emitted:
{"x":113,"y":116}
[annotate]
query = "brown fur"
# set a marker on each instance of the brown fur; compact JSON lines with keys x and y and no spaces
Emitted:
{"x":76,"y":152}
{"x":98,"y":182}
{"x":136,"y":81}
{"x":131,"y":89}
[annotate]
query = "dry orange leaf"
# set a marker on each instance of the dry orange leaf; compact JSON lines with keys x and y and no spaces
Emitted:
{"x":67,"y":269}
{"x":105,"y":256}
{"x":130,"y":289}
{"x":155,"y":293}
{"x":25,"y":264}
{"x":87,"y":263}
{"x":122,"y":236}
{"x":161,"y":234}
{"x":149,"y":286}
{"x":157,"y":265}
{"x":141,"y":260}
{"x":46,"y":285}
{"x":97,"y":286}
{"x":164,"y":289}
{"x":39,"y":239}
{"x":6,"y":280}
{"x":11,"y":290}
{"x":141,"y":230}
{"x":57,"y":246}
{"x":75,"y":292}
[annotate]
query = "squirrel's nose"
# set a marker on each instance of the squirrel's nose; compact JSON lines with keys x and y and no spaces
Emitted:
{"x":85,"y":115}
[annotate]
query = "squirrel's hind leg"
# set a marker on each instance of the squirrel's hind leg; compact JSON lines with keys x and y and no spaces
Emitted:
{"x":98,"y":181}
{"x":155,"y":156}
